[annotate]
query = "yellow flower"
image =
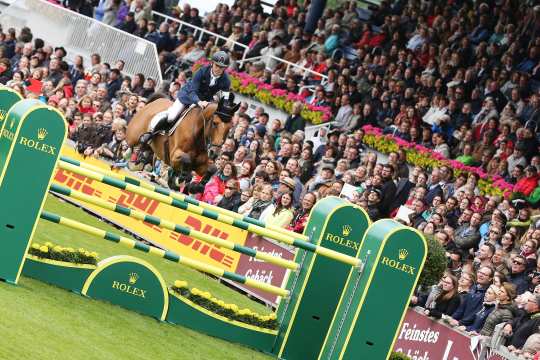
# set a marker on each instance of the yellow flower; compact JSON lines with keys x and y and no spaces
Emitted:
{"x":70,"y":250}
{"x":81,"y":250}
{"x":273,"y":316}
{"x":44,"y":249}
{"x":221,"y":303}
{"x":57,"y":248}
{"x":180,"y":284}
{"x":206,"y":295}
{"x":49,"y":244}
{"x":36,"y":246}
{"x":94,"y":254}
{"x":234,"y":307}
{"x":195,"y":291}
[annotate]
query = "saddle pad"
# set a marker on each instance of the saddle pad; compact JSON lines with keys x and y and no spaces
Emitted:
{"x":182,"y":116}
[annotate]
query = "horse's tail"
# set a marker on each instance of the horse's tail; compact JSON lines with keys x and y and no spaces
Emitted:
{"x":155,"y":96}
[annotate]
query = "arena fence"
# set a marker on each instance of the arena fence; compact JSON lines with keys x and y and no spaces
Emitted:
{"x":199,"y":32}
{"x":81,"y":35}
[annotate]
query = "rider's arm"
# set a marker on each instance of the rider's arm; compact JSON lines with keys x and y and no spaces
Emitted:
{"x":195,"y":85}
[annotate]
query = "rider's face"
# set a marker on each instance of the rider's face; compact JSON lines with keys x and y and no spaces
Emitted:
{"x":217,"y":70}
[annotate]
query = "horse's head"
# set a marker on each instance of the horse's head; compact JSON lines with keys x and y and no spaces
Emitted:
{"x":221,"y":123}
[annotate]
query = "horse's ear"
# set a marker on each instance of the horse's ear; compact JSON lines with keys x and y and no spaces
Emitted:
{"x":231,"y":99}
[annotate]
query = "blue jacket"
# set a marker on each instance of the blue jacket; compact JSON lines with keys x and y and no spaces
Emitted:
{"x":480,"y":318}
{"x":199,"y":89}
{"x":471,"y":304}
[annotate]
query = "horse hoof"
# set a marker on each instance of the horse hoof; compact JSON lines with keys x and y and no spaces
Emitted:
{"x":212,"y":169}
{"x":145,"y":138}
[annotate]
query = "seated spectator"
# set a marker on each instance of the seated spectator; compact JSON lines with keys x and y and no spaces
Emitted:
{"x":472,"y":303}
{"x":504,"y":310}
{"x":446,"y":301}
{"x":518,"y":275}
{"x":279,"y":214}
{"x":489,"y":304}
{"x":215,"y":188}
{"x":525,"y":324}
{"x":301,"y":214}
{"x":264,"y":201}
{"x":231,"y":196}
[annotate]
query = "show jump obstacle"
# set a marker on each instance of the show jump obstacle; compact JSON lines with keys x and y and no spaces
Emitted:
{"x":347,"y":289}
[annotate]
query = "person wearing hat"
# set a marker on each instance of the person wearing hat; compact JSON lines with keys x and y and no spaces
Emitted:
{"x":234,"y":37}
{"x":60,"y":52}
{"x":128,"y":24}
{"x":332,"y":141}
{"x":200,"y":90}
{"x":286,"y":184}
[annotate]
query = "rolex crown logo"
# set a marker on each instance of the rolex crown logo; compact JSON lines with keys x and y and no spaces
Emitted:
{"x":42,"y":134}
{"x":133,"y":277}
{"x":346,"y":230}
{"x":403,"y":253}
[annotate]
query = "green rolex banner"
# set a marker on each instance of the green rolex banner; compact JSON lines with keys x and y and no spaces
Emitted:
{"x":131,"y":283}
{"x":334,"y":224}
{"x":375,"y":301}
{"x":36,"y":134}
{"x":8,"y":98}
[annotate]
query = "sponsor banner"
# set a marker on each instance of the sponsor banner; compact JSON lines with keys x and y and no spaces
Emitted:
{"x":423,"y":338}
{"x":183,"y":245}
{"x":262,"y":271}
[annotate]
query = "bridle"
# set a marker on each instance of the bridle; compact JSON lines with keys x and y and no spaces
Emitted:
{"x":208,"y":127}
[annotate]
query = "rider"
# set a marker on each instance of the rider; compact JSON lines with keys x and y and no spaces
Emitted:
{"x":199,"y":90}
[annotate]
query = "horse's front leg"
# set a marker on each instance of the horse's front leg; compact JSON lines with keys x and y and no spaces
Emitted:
{"x":181,"y":164}
{"x":204,"y":167}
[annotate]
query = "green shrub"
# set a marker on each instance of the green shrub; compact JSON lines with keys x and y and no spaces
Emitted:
{"x":398,"y":356}
{"x":219,"y":307}
{"x":65,"y":254}
{"x":435,"y":263}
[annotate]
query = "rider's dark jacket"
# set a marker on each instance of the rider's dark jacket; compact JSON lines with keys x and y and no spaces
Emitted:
{"x":199,"y":89}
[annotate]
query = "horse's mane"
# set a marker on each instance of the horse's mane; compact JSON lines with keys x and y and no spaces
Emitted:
{"x":155,"y":96}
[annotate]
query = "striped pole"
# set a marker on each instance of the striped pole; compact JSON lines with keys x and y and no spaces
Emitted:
{"x":182,"y":197}
{"x":209,"y":213}
{"x":154,"y":220}
{"x":167,"y":255}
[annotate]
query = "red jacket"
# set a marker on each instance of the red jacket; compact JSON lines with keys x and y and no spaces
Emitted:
{"x":214,"y":187}
{"x":526,"y":185}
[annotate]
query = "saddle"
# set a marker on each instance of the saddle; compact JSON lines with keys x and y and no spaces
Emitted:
{"x":181,"y":117}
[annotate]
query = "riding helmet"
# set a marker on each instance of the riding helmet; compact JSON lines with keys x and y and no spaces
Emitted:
{"x":221,"y":58}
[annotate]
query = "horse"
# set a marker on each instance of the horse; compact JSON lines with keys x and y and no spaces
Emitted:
{"x":193,"y":143}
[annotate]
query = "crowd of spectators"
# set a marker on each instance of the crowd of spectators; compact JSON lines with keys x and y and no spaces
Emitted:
{"x":459,"y":77}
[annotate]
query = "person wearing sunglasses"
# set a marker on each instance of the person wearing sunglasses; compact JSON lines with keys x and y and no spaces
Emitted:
{"x":231,"y":196}
{"x":518,"y":274}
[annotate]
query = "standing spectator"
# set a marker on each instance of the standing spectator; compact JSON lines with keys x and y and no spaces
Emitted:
{"x":472,"y":303}
{"x":504,"y":311}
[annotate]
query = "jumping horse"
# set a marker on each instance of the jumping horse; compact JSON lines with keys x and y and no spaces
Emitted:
{"x":195,"y":141}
